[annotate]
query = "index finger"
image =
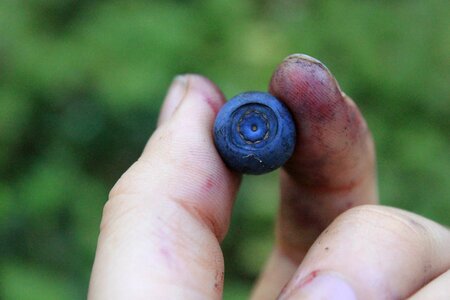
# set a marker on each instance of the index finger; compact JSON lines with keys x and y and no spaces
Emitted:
{"x":332,"y":169}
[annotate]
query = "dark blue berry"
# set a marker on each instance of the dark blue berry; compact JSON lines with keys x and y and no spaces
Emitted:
{"x":254,"y":133}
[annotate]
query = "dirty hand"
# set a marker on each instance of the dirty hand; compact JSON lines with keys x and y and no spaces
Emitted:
{"x":167,"y":214}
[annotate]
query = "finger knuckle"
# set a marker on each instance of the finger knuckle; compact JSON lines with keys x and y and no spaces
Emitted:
{"x":117,"y":212}
{"x":401,"y":225}
{"x":203,"y":217}
{"x":124,"y":185}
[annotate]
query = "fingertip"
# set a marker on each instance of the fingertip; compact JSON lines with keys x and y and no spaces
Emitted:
{"x":175,"y":93}
{"x":302,"y":75}
{"x":195,"y":84}
{"x":203,"y":89}
{"x":329,"y":126}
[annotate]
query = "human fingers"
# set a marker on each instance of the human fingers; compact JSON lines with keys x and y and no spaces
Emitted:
{"x":372,"y":252}
{"x":437,"y":289}
{"x":332,"y":169}
{"x":175,"y":94}
{"x":162,"y":224}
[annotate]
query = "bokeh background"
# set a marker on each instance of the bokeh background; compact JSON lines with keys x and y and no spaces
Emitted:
{"x":81,"y":83}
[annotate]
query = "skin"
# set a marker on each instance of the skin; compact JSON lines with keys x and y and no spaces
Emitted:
{"x":166,"y":216}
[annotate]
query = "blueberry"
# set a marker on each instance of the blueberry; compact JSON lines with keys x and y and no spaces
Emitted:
{"x":254,"y":133}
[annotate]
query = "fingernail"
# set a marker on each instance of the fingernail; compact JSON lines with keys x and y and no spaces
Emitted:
{"x":301,"y":56}
{"x":177,"y":90}
{"x":307,"y":79}
{"x":176,"y":93}
{"x":320,"y":286}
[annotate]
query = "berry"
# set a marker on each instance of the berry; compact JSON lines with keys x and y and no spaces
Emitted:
{"x":254,"y":133}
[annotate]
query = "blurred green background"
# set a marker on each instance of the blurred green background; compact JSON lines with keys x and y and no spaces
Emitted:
{"x":81,"y":83}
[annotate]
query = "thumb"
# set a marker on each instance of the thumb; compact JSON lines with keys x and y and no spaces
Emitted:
{"x":164,"y":219}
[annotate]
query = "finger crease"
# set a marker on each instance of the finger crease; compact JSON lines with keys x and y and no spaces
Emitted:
{"x":198,"y":214}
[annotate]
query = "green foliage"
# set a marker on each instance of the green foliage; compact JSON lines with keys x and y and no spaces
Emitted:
{"x":28,"y":282}
{"x":81,"y":83}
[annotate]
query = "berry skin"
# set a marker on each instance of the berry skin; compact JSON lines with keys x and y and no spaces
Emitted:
{"x":254,"y":133}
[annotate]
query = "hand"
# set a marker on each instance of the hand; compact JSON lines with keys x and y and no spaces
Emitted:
{"x":167,"y":214}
